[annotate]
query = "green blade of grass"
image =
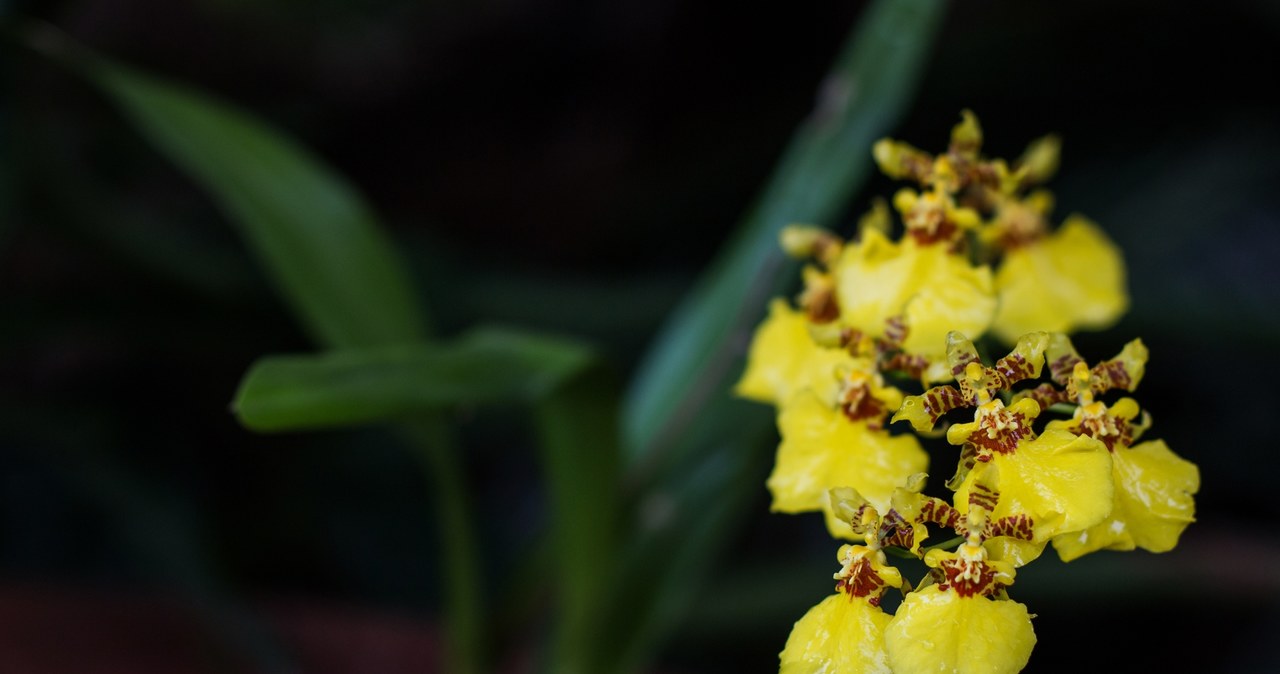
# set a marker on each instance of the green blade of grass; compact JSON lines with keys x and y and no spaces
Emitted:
{"x":698,"y":350}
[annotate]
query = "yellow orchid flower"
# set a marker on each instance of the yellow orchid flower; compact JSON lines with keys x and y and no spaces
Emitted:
{"x":784,"y":359}
{"x":823,"y":448}
{"x":961,"y":623}
{"x":1154,"y":503}
{"x":977,"y":384}
{"x":903,"y":525}
{"x":933,"y":217}
{"x":958,"y":170}
{"x":1154,"y":487}
{"x":1053,"y":483}
{"x":1071,"y":279}
{"x":925,"y":289}
{"x":960,"y":619}
{"x":1080,"y":384}
{"x":838,"y":635}
{"x":844,"y":633}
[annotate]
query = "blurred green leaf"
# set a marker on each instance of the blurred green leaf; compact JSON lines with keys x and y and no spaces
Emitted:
{"x":393,"y":383}
{"x":320,"y":242}
{"x":699,"y":350}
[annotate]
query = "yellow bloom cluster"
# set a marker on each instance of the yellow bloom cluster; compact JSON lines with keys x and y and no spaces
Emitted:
{"x":877,"y":317}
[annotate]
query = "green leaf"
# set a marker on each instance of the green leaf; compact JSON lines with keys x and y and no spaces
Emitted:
{"x":394,"y":383}
{"x":318,"y":240}
{"x":699,"y":351}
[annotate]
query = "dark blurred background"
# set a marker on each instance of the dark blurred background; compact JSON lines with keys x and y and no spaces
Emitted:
{"x":573,"y":167}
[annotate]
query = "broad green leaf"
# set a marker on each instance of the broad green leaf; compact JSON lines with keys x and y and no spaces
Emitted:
{"x":395,"y":383}
{"x":699,"y":350}
{"x":317,"y":239}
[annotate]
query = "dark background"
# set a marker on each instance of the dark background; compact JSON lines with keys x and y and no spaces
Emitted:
{"x":573,"y":167}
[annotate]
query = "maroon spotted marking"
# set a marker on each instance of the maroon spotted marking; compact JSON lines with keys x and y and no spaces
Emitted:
{"x":896,"y":530}
{"x":858,"y":515}
{"x":821,"y":305}
{"x":1013,"y":368}
{"x":959,"y":153}
{"x":942,"y":399}
{"x":1045,"y":395}
{"x":849,"y":339}
{"x":982,"y":497}
{"x":940,"y":512}
{"x":981,"y":580}
{"x":970,"y":392}
{"x":969,"y":457}
{"x":911,"y":365}
{"x":858,"y":404}
{"x":1018,"y":526}
{"x":895,"y":330}
{"x":1110,"y":374}
{"x":1021,"y":227}
{"x":1001,"y":441}
{"x":1015,"y":237}
{"x":946,"y":231}
{"x":972,"y":177}
{"x":986,"y":174}
{"x":1060,"y":369}
{"x":862,"y":580}
{"x":962,"y":361}
{"x":917,"y":166}
{"x":1109,"y":430}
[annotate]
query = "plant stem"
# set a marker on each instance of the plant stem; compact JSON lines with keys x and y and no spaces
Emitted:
{"x":435,"y":444}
